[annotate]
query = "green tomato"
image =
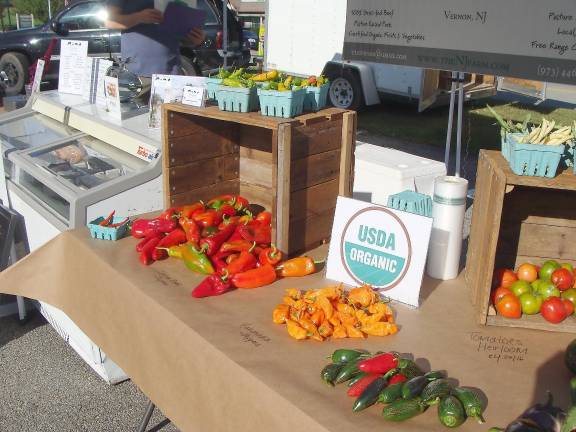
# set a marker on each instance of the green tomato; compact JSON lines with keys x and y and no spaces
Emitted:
{"x":547,"y":269}
{"x":531,"y":303}
{"x":520,"y":287}
{"x":569,"y":294}
{"x":536,"y":284}
{"x":548,"y":289}
{"x":568,"y":266}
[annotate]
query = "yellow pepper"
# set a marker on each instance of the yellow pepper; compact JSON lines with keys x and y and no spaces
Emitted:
{"x":379,"y":329}
{"x":280,"y":314}
{"x":295,"y":330}
{"x":325,"y":329}
{"x":353,"y":332}
{"x":311,"y":329}
{"x":345,"y":309}
{"x":326,"y":306}
{"x":364,"y":296}
{"x":339,"y":332}
{"x":317,"y":317}
{"x":294,"y":293}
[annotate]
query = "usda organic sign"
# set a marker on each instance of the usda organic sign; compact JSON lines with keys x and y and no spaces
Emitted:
{"x":379,"y":246}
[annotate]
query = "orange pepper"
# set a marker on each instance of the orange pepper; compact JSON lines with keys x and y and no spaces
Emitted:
{"x":326,"y":306}
{"x":339,"y":332}
{"x":379,"y":329}
{"x":330,"y":292}
{"x":294,"y":293}
{"x":353,"y":332}
{"x":346,"y":309}
{"x":295,"y":330}
{"x":280,"y":313}
{"x":364,"y":296}
{"x":311,"y":329}
{"x":288,"y":300}
{"x":295,"y":267}
{"x":348,"y":319}
{"x":317,"y":317}
{"x":325,"y":329}
{"x":335,"y":320}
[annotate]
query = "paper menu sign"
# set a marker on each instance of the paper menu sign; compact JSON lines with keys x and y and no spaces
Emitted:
{"x":379,"y":246}
{"x":38,"y":76}
{"x":169,"y":89}
{"x":94,"y":73}
{"x":73,"y":58}
{"x":161,"y":5}
{"x":194,"y":96}
{"x":112,"y":91}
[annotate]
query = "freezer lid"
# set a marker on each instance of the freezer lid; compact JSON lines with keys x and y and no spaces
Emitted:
{"x":31,"y":131}
{"x":86,"y":162}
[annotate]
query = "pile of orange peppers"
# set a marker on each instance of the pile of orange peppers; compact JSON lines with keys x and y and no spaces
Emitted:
{"x":332,"y":312}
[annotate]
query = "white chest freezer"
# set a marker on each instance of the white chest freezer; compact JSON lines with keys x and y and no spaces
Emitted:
{"x":78,"y":163}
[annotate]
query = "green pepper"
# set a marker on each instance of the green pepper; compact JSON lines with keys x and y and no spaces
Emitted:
{"x":231,"y":82}
{"x":237,"y":73}
{"x":223,"y":73}
{"x":196,"y":260}
{"x":346,"y":355}
{"x":330,"y":372}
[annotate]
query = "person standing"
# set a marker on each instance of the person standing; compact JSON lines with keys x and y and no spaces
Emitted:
{"x":145,"y":46}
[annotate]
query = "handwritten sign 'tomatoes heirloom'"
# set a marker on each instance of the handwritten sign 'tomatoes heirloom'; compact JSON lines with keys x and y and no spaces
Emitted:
{"x":379,"y":246}
{"x":516,"y":38}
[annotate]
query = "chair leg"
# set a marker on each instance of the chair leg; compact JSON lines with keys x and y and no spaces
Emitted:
{"x":147,"y":416}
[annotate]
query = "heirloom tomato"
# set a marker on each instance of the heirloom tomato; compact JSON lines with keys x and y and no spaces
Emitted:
{"x":504,"y":278}
{"x":554,"y":310}
{"x":547,"y":269}
{"x":563,"y":279}
{"x":509,"y":306}
{"x":527,"y":272}
{"x":498,"y":293}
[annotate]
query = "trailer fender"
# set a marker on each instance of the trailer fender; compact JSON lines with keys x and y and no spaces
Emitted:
{"x":363,"y":71}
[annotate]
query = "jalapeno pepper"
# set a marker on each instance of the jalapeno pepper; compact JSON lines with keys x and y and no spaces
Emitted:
{"x":190,"y":228}
{"x":295,"y":267}
{"x":254,"y":278}
{"x":245,"y":261}
{"x":270,"y":256}
{"x":211,"y":245}
{"x":196,"y":261}
{"x":212,"y":285}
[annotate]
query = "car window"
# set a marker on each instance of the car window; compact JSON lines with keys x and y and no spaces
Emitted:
{"x":211,"y":18}
{"x":85,"y":16}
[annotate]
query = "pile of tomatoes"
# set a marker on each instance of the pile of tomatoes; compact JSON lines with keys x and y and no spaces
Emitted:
{"x":549,"y":290}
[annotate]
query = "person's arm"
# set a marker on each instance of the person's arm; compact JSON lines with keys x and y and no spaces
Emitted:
{"x":120,"y":21}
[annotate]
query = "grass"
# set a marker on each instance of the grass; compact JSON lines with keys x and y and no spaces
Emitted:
{"x":402,"y":121}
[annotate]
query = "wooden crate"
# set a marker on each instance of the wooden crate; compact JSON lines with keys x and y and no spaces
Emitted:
{"x":518,"y":219}
{"x":295,"y":168}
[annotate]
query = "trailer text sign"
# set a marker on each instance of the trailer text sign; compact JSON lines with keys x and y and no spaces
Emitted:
{"x":380,"y":247}
{"x":516,"y":38}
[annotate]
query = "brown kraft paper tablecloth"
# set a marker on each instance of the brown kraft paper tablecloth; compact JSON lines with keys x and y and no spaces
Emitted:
{"x":220,"y":364}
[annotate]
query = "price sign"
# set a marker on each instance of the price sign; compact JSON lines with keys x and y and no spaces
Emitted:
{"x":194,"y":96}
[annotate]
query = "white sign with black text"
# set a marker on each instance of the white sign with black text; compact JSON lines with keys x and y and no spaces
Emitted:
{"x":379,"y":246}
{"x":112,"y":91}
{"x":194,"y":96}
{"x":73,"y":58}
{"x":38,"y":76}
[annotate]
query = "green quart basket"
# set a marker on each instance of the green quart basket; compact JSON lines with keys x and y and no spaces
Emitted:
{"x":285,"y":104}
{"x":506,"y":146}
{"x":108,"y":233}
{"x":212,"y":85}
{"x":411,"y":202}
{"x":237,"y":99}
{"x":536,"y":160}
{"x":316,"y":97}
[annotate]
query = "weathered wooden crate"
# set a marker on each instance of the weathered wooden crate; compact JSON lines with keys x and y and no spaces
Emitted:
{"x":294,"y":167}
{"x":518,"y":219}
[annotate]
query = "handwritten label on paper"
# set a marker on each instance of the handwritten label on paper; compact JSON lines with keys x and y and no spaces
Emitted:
{"x":499,"y":348}
{"x":252,"y":336}
{"x":166,"y":280}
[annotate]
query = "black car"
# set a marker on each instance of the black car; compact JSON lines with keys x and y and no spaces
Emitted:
{"x":84,"y":20}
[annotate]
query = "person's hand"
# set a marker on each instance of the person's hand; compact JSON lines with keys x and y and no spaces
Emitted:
{"x":149,"y":16}
{"x":196,"y":36}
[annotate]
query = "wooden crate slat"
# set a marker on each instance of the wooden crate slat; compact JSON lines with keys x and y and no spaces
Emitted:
{"x":250,"y":137}
{"x":346,"y":181}
{"x":257,"y":194}
{"x":539,"y":240}
{"x":314,"y":200}
{"x":535,"y":322}
{"x":311,"y":232}
{"x":205,"y":172}
{"x":317,"y":138}
{"x":256,"y":171}
{"x":315,"y":169}
{"x":283,"y":188}
{"x":184,"y":150}
{"x":205,"y":193}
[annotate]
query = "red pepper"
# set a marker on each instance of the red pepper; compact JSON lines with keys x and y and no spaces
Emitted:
{"x":207,"y":218}
{"x":245,"y":261}
{"x":231,"y":258}
{"x":240,"y":202}
{"x":219,"y":261}
{"x":232,"y":220}
{"x":256,"y":232}
{"x":209,"y":231}
{"x":149,"y":248}
{"x":145,"y":227}
{"x":221,"y":200}
{"x":398,"y":378}
{"x":254,"y":278}
{"x":118,"y":224}
{"x":188,"y":210}
{"x":380,"y":364}
{"x":212,"y":285}
{"x":265,"y":218}
{"x":106,"y":221}
{"x":360,"y":385}
{"x":237,"y":246}
{"x":270,"y":256}
{"x":247,"y":218}
{"x":212,"y":244}
{"x":190,"y":228}
{"x":176,"y":237}
{"x":227,"y":210}
{"x":169,"y":214}
{"x":145,"y":240}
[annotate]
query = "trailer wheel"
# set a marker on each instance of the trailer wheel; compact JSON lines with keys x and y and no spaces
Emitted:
{"x":346,"y":92}
{"x":15,"y":66}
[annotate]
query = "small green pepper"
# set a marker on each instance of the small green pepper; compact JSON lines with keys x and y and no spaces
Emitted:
{"x":196,"y":260}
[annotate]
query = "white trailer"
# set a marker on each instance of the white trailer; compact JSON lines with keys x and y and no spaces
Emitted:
{"x":306,"y":38}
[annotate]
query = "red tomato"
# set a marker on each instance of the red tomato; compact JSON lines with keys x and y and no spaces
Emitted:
{"x":563,"y":279}
{"x":527,"y":272}
{"x":509,"y":306}
{"x":569,"y":306}
{"x":504,"y":278}
{"x":554,"y":310}
{"x":498,"y":293}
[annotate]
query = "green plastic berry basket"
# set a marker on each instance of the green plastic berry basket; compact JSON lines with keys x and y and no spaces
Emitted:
{"x":535,"y":160}
{"x":316,"y":98}
{"x":237,"y":99}
{"x":411,"y":202}
{"x":108,"y":233}
{"x":211,"y":87}
{"x":285,"y":104}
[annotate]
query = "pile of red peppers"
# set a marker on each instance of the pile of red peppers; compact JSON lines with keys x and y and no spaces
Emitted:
{"x":221,"y":239}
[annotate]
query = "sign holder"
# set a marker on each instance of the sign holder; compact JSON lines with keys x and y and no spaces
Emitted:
{"x":457,"y":77}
